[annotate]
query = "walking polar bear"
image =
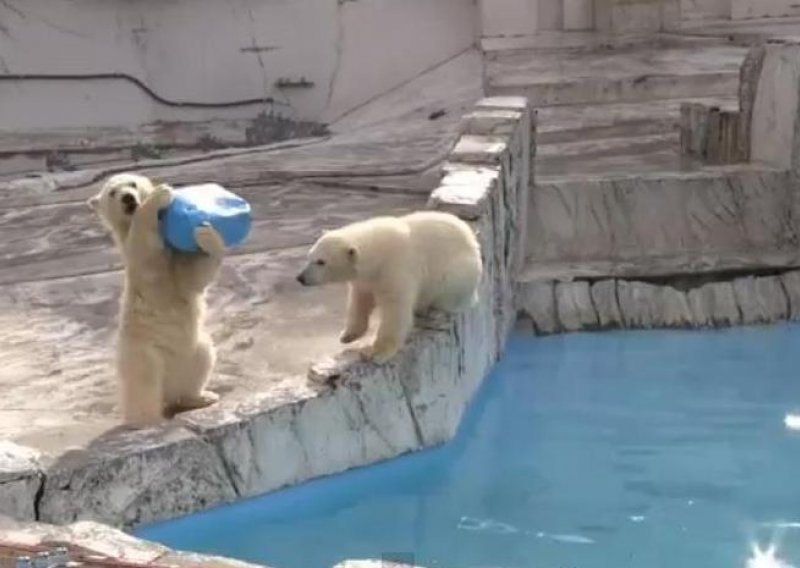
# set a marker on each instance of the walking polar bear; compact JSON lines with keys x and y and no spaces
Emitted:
{"x":401,"y":266}
{"x":164,"y":357}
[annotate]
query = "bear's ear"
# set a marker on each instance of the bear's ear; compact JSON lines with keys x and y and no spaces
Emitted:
{"x":93,"y":202}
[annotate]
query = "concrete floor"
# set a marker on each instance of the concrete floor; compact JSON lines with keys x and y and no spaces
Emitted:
{"x":60,"y":278}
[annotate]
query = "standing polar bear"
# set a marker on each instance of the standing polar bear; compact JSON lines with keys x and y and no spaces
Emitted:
{"x":164,"y":358}
{"x":401,"y":265}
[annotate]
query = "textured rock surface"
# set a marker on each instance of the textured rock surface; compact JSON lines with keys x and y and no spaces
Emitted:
{"x":761,"y":300}
{"x":20,"y":480}
{"x":714,"y":305}
{"x":604,"y":297}
{"x":135,"y":476}
{"x":574,"y":306}
{"x":617,"y":303}
{"x":537,"y":300}
{"x":84,"y":539}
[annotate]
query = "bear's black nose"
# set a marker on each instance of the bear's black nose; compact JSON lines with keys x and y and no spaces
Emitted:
{"x":301,"y":278}
{"x":129,"y":202}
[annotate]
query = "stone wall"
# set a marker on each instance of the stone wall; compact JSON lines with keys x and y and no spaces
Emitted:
{"x":351,"y":413}
{"x":548,"y":307}
{"x":316,"y":60}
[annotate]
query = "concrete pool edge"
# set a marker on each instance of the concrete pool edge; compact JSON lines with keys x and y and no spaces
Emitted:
{"x":367,"y":414}
{"x":111,"y":546}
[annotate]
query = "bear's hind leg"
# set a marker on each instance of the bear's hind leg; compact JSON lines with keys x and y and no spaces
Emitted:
{"x":460,"y":288}
{"x":141,"y":371}
{"x":188,"y":393}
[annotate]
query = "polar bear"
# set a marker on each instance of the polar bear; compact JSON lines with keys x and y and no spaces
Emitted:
{"x":401,"y":265}
{"x":164,"y":358}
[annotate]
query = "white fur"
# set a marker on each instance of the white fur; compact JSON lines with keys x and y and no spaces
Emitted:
{"x":164,"y":358}
{"x":399,"y":265}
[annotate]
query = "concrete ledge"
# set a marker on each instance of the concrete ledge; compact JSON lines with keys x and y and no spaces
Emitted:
{"x":101,"y":545}
{"x":20,"y":480}
{"x":346,"y":413}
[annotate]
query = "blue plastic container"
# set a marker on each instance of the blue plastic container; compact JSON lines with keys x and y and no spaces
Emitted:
{"x":209,"y":203}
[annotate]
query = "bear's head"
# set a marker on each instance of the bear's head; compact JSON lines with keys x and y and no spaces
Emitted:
{"x":119,"y":198}
{"x":332,"y":259}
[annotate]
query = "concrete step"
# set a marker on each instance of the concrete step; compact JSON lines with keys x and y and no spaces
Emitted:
{"x":600,"y":90}
{"x":621,"y":146}
{"x":647,"y":160}
{"x":497,"y":48}
{"x":559,"y":124}
{"x":613,"y":139}
{"x":627,"y":75}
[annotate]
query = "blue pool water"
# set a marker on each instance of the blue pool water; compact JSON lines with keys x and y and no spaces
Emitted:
{"x":630,"y":449}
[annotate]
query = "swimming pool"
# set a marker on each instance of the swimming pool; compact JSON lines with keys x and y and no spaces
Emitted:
{"x":642,"y":449}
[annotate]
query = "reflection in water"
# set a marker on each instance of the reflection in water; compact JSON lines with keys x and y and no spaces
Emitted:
{"x":766,"y":558}
{"x":792,"y":421}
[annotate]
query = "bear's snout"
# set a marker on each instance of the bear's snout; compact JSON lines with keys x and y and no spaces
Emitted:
{"x":302,"y":278}
{"x":129,"y":203}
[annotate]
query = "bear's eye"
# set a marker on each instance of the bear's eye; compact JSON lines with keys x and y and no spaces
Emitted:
{"x":320,"y":262}
{"x":112,"y":193}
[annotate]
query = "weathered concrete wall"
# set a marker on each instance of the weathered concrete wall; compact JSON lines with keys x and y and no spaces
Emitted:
{"x":519,"y":17}
{"x":351,"y":413}
{"x":737,"y":9}
{"x":636,"y":16}
{"x":748,"y":9}
{"x":705,"y":9}
{"x":509,"y":18}
{"x":527,"y":17}
{"x":726,"y":211}
{"x":775,"y":122}
{"x":215,"y":52}
{"x":553,"y":307}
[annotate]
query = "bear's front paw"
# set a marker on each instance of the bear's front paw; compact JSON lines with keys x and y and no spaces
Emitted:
{"x":351,"y":335}
{"x":379,"y":354}
{"x":201,"y":400}
{"x":162,"y":195}
{"x":208,"y":239}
